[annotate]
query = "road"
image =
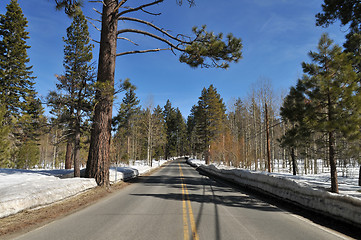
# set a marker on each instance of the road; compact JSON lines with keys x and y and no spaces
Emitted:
{"x":177,"y":202}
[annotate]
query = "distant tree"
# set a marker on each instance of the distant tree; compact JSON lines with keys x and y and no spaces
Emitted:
{"x":169,"y":114}
{"x":75,"y":89}
{"x":209,"y":117}
{"x":194,"y":52}
{"x":294,"y":111}
{"x":159,"y":133}
{"x":123,"y":121}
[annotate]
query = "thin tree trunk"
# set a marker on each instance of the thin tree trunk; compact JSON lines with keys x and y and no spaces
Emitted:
{"x":76,"y":150}
{"x":268,"y":141}
{"x":68,"y":154}
{"x":359,"y":177}
{"x":294,"y":166}
{"x":98,"y":159}
{"x":334,"y":183}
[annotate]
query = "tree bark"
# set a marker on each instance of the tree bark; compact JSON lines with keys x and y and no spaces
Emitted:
{"x":76,"y":150}
{"x":98,"y":159}
{"x":294,"y":165}
{"x":331,"y":143}
{"x":68,"y":154}
{"x":268,"y":141}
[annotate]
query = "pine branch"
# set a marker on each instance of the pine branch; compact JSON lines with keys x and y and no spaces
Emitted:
{"x":139,"y":8}
{"x":142,"y":51}
{"x":155,"y":27}
{"x":151,"y":35}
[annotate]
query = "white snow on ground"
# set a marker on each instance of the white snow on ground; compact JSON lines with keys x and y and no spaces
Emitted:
{"x":25,"y":189}
{"x":347,"y":185}
{"x":310,"y":191}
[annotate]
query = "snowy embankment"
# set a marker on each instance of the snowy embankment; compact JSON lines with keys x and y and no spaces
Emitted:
{"x":310,"y":194}
{"x":25,"y":189}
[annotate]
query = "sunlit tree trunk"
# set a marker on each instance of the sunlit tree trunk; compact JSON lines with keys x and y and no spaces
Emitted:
{"x":98,"y":159}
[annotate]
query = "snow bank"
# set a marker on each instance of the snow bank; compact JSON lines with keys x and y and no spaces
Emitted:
{"x":25,"y":189}
{"x":336,"y":205}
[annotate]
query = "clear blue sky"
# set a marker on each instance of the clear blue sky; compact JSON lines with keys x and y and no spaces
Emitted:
{"x":276,"y":35}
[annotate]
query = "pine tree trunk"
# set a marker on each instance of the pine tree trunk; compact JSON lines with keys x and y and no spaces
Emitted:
{"x":294,"y":168}
{"x":68,"y":154}
{"x":334,"y":184}
{"x":76,"y":150}
{"x":98,"y":159}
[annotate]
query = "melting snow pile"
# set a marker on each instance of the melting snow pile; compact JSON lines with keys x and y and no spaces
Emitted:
{"x":25,"y":189}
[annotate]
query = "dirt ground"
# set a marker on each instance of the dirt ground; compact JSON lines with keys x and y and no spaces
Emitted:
{"x":28,"y":220}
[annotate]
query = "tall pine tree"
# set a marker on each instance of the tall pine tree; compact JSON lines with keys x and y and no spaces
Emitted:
{"x":330,"y":89}
{"x":16,"y":80}
{"x":17,"y":93}
{"x":75,"y":89}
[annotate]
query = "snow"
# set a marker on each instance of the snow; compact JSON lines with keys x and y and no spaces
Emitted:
{"x":25,"y":189}
{"x":310,"y":191}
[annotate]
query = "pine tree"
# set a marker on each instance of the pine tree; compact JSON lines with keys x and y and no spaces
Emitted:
{"x":123,"y":121}
{"x":294,"y":111}
{"x":159,"y":133}
{"x":4,"y":141}
{"x":75,"y":89}
{"x":330,"y":88}
{"x":209,"y":117}
{"x":16,"y":80}
{"x":23,"y":108}
{"x":169,"y":114}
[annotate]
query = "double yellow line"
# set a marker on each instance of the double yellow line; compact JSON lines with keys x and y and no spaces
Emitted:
{"x":185,"y":197}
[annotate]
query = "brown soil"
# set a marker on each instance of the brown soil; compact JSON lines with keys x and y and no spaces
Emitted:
{"x":30,"y":219}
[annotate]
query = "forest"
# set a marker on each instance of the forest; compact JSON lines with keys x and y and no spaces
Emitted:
{"x":318,"y":119}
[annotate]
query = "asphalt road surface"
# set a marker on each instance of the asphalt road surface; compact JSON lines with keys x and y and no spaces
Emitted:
{"x":178,"y":203}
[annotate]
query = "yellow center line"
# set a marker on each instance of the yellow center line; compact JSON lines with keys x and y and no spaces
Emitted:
{"x":191,"y":216}
{"x":185,"y":219}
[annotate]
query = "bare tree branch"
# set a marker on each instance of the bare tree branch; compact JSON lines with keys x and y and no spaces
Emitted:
{"x":151,"y":35}
{"x":98,"y":1}
{"x":140,"y":7}
{"x":119,"y":5}
{"x":94,"y":40}
{"x":143,"y":51}
{"x":94,"y":26}
{"x":97,"y":11}
{"x":123,"y":38}
{"x":155,"y":27}
{"x":92,"y":19}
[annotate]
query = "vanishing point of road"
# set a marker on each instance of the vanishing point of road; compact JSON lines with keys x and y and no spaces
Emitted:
{"x":177,"y":202}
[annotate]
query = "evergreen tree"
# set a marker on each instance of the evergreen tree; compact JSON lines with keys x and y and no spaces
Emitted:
{"x":75,"y":89}
{"x":23,"y":109}
{"x":4,"y":141}
{"x":16,"y":80}
{"x":330,"y":90}
{"x":123,"y":121}
{"x":159,"y":133}
{"x":209,"y":117}
{"x":171,"y":131}
{"x":294,"y":111}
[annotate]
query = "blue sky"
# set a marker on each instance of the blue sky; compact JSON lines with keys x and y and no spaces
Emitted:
{"x":276,"y":36}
